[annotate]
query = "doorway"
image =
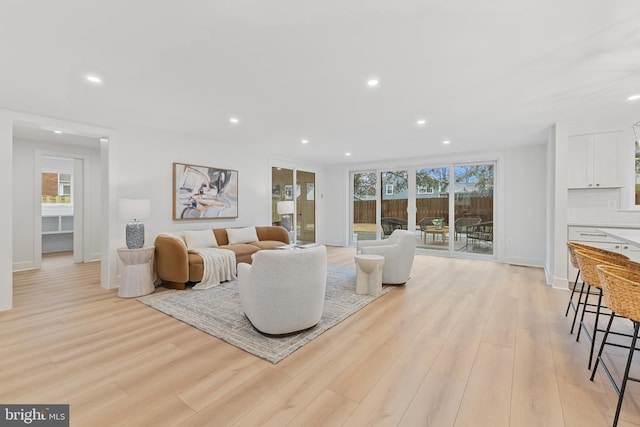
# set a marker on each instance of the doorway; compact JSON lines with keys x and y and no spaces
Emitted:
{"x":305,"y":207}
{"x":57,"y":205}
{"x":67,"y":169}
{"x":294,"y":206}
{"x":59,"y":213}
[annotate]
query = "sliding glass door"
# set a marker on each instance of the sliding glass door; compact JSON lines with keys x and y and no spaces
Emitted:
{"x":363,"y":206}
{"x":394,"y":194}
{"x":474,"y":208}
{"x":305,"y":207}
{"x":294,"y":207}
{"x":432,"y":208}
{"x":282,"y":204}
{"x":450,"y":207}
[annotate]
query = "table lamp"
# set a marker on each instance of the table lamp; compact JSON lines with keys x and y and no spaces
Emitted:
{"x":286,"y":208}
{"x":134,"y":210}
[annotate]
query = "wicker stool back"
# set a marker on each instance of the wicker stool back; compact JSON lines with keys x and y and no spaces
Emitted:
{"x":621,"y":289}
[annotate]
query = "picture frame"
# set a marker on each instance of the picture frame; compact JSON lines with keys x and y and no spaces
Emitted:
{"x":288,"y":192}
{"x":275,"y":191}
{"x":204,"y":192}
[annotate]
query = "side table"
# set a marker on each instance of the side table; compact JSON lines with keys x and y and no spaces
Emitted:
{"x":369,"y":274}
{"x":136,"y":278}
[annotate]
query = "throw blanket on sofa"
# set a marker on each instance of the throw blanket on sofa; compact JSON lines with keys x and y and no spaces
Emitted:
{"x":219,"y":266}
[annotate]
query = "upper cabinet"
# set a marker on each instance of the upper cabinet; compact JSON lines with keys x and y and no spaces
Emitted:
{"x":593,"y":160}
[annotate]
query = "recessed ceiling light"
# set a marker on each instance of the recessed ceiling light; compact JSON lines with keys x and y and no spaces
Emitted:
{"x":446,"y":142}
{"x":633,"y":97}
{"x":421,"y":122}
{"x":347,"y":154}
{"x":305,"y":141}
{"x":94,"y":79}
{"x":373,"y":82}
{"x":234,"y":120}
{"x":57,"y":131}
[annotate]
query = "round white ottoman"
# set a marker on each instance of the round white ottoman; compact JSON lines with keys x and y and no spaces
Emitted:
{"x":369,"y":274}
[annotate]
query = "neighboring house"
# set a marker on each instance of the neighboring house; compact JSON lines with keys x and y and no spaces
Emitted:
{"x":467,"y":188}
{"x":393,"y":188}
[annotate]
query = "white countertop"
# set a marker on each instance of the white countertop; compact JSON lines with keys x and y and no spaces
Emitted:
{"x":629,"y":236}
{"x":603,"y":225}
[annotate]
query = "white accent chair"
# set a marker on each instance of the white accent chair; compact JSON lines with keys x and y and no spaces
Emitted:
{"x":282,"y":291}
{"x":398,"y":252}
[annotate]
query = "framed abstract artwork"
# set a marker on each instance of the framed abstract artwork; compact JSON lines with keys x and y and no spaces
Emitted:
{"x":204,"y":192}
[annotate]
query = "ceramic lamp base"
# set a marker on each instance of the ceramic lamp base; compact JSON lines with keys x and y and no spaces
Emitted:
{"x":135,"y":235}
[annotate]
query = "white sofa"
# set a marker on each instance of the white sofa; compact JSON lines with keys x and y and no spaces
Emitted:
{"x":398,"y":252}
{"x":282,"y":291}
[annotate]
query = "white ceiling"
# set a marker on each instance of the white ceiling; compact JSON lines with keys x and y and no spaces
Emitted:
{"x":485,"y":74}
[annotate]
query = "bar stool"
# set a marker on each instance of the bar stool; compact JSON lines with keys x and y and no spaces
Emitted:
{"x":621,"y":288}
{"x":588,"y":260}
{"x":572,"y":246}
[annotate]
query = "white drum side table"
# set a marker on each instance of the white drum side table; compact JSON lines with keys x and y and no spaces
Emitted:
{"x":137,"y":274}
{"x":369,"y":274}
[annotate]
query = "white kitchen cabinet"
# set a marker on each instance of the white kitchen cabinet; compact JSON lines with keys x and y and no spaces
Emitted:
{"x":593,"y":160}
{"x":592,"y":237}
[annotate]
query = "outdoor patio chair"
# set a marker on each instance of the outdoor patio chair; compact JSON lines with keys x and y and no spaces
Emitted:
{"x":390,"y":224}
{"x":464,"y":225}
{"x":482,"y":231}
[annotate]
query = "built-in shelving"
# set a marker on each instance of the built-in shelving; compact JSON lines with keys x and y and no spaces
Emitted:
{"x":57,"y":224}
{"x":57,"y":233}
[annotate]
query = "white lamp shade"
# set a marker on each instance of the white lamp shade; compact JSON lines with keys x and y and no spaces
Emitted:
{"x":134,"y":208}
{"x":285,"y":208}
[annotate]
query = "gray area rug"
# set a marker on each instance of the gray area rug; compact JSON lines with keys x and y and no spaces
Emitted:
{"x":217,"y":311}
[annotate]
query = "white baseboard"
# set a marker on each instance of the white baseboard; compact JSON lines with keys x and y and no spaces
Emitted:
{"x":524,"y":261}
{"x":556,"y":282}
{"x":23,"y":265}
{"x":333,"y":243}
{"x":96,"y":256}
{"x":560,"y":283}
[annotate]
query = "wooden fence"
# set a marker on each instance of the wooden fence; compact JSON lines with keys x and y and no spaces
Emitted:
{"x":364,"y":211}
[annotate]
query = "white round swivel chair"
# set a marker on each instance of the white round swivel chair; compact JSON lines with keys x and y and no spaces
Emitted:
{"x":282,"y":291}
{"x":398,"y":252}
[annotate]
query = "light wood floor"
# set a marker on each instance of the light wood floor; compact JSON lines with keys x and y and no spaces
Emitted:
{"x":464,"y":343}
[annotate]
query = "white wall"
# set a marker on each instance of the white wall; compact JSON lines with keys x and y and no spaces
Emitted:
{"x":336,"y":200}
{"x":525,"y":205}
{"x":550,"y":186}
{"x":24,"y":160}
{"x":520,"y":198}
{"x":6,"y":212}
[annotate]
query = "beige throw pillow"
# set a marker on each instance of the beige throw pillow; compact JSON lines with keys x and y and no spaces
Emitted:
{"x":200,"y":239}
{"x":242,"y":235}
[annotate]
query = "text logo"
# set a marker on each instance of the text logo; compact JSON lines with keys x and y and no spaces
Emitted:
{"x":34,"y":415}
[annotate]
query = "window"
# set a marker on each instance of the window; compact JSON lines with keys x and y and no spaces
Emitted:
{"x":64,"y":184}
{"x":423,"y":189}
{"x":56,"y":188}
{"x":388,"y":190}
